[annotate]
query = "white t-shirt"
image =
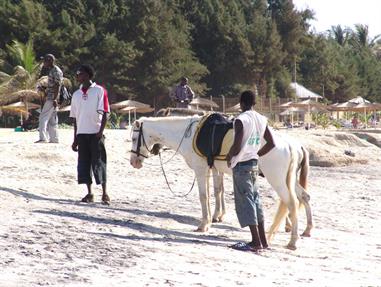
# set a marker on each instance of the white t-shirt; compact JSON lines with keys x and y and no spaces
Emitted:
{"x":254,"y":126}
{"x":88,"y":107}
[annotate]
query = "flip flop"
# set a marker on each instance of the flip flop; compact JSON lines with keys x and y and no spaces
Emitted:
{"x":242,"y":246}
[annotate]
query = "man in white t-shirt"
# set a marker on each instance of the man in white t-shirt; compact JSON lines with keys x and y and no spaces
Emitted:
{"x":89,"y":108}
{"x":252,"y":139}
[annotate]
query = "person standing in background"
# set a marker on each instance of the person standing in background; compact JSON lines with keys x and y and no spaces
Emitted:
{"x":182,"y":94}
{"x":48,"y":120}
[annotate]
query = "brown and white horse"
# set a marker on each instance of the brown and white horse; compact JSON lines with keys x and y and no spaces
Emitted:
{"x":280,"y":167}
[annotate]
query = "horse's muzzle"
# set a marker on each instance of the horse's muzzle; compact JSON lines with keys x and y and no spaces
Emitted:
{"x":136,"y":162}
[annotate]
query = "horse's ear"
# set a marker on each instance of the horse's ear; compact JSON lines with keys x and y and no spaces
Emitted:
{"x":156,"y":149}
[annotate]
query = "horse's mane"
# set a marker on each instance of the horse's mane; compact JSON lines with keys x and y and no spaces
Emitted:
{"x":165,"y":112}
{"x":169,"y":119}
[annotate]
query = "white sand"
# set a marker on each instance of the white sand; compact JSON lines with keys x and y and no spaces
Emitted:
{"x":145,"y":237}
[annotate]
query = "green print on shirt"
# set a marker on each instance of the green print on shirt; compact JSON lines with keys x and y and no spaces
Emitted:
{"x":253,"y":139}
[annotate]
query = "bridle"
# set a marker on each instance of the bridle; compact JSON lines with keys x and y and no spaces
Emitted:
{"x":141,"y":140}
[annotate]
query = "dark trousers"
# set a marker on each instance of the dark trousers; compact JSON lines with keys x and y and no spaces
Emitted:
{"x":91,"y":159}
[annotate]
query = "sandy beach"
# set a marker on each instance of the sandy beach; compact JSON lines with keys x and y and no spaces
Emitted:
{"x":146,"y":236}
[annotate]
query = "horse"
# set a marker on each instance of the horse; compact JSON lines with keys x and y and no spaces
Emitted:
{"x":280,"y":167}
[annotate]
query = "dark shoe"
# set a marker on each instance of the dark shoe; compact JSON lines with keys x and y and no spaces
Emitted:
{"x":88,"y":198}
{"x":41,"y":141}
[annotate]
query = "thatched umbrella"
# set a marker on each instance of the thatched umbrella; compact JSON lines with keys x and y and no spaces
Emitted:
{"x":235,"y":108}
{"x":142,"y":110}
{"x":129,"y":103}
{"x":65,"y":109}
{"x":286,"y":105}
{"x":308,"y":104}
{"x":20,"y":108}
{"x":16,"y":96}
{"x":365,"y":107}
{"x":203,"y":103}
{"x":290,"y":112}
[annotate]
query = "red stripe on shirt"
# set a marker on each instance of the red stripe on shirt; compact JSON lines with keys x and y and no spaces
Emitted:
{"x":105,"y":100}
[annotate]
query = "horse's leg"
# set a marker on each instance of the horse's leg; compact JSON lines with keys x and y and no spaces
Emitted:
{"x":219,"y":210}
{"x":203,"y":190}
{"x":288,"y":226}
{"x":304,"y":198}
{"x":293,"y":213}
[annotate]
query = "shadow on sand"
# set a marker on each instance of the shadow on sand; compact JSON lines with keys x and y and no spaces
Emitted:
{"x":160,"y":234}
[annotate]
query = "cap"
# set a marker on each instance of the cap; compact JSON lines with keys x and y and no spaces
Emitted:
{"x":47,"y":56}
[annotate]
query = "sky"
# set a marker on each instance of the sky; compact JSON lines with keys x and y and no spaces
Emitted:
{"x":347,"y":13}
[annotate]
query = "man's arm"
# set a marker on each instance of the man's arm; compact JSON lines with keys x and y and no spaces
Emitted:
{"x":74,"y":145}
{"x":190,"y":93}
{"x":269,"y":143}
{"x":103,"y":125}
{"x":58,"y":79}
{"x":238,"y":136}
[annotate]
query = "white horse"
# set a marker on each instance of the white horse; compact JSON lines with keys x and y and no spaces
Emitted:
{"x":279,"y":166}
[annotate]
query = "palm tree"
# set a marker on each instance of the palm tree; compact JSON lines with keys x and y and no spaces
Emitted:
{"x":360,"y":38}
{"x":23,"y":77}
{"x":339,"y":34}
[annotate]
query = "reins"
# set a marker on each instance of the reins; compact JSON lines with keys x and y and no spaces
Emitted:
{"x":141,"y":140}
{"x":169,"y":187}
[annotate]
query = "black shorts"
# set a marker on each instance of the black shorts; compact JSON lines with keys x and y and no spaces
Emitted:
{"x":91,"y":159}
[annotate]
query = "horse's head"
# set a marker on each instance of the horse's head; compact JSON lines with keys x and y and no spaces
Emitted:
{"x":140,"y":147}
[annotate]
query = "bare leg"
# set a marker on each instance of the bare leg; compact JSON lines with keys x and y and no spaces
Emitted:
{"x":89,"y":196}
{"x":105,"y":197}
{"x":255,"y":240}
{"x":262,"y":234}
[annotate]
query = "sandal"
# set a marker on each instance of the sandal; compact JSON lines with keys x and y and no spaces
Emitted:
{"x":105,"y":199}
{"x":88,"y":198}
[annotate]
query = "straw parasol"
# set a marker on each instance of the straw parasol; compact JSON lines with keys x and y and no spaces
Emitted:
{"x":65,"y":109}
{"x":20,"y":108}
{"x":28,"y":105}
{"x":16,"y":96}
{"x":235,"y":108}
{"x":142,"y":110}
{"x":129,"y":103}
{"x":308,"y":104}
{"x":286,"y":105}
{"x":203,"y":103}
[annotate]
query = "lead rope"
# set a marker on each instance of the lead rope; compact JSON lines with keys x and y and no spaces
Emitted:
{"x":169,"y":187}
{"x":187,"y":134}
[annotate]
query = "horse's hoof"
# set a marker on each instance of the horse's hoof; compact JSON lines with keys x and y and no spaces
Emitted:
{"x":199,"y":229}
{"x":287,"y":229}
{"x":291,"y":247}
{"x":215,"y":220}
{"x":306,"y":234}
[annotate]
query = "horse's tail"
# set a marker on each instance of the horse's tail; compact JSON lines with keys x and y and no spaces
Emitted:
{"x":291,"y":175}
{"x":291,"y":205}
{"x":304,"y":168}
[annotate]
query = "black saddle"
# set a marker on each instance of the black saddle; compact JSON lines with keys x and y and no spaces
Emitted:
{"x":210,"y":135}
